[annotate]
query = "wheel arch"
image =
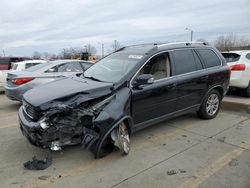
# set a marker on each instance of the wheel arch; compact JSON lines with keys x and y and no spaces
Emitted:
{"x":129,"y":122}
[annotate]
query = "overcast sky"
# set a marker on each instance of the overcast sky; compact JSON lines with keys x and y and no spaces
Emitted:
{"x":50,"y":25}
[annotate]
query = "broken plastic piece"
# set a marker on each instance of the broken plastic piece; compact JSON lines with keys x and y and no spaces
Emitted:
{"x":90,"y":136}
{"x":39,"y":164}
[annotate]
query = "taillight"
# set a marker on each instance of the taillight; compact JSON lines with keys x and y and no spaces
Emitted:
{"x":238,"y":67}
{"x":20,"y":81}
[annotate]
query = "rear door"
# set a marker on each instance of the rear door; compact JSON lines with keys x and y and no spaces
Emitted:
{"x":151,"y":102}
{"x":192,"y":79}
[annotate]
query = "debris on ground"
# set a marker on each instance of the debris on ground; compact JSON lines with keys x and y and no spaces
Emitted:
{"x":36,"y":164}
{"x":233,"y":162}
{"x":171,"y":172}
{"x":184,"y":135}
{"x":222,"y":139}
{"x":182,"y":171}
{"x":43,"y":177}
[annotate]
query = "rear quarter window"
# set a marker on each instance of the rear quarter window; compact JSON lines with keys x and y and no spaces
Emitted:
{"x":209,"y":57}
{"x":248,"y":56}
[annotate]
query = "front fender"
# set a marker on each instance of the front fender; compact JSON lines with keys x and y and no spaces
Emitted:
{"x":112,"y":115}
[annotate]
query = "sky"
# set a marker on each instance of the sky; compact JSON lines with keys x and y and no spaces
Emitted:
{"x":51,"y":25}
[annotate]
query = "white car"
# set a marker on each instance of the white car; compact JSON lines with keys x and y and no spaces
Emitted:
{"x":239,"y":62}
{"x":19,"y":66}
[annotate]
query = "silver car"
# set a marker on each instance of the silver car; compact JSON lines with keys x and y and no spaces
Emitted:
{"x":21,"y":81}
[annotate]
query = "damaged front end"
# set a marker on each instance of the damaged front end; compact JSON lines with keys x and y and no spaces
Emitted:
{"x":99,"y":124}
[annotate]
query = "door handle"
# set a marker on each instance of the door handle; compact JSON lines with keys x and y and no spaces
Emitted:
{"x":170,"y":86}
{"x":204,"y":78}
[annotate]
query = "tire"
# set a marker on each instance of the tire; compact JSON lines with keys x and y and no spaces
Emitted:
{"x":118,"y":138}
{"x":247,"y":91}
{"x":210,"y":105}
{"x":106,"y":148}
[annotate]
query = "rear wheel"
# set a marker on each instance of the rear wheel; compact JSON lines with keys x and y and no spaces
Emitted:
{"x":247,"y":91}
{"x":210,"y":105}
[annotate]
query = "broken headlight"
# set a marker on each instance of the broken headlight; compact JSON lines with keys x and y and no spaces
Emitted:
{"x":43,"y":123}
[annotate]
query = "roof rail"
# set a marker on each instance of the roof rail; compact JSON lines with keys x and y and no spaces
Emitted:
{"x":145,"y":44}
{"x":187,"y":43}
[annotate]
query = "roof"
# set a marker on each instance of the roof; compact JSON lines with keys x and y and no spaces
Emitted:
{"x":31,"y":61}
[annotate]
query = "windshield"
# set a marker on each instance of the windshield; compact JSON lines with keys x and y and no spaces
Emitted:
{"x":231,"y":57}
{"x":113,"y":67}
{"x":36,"y":67}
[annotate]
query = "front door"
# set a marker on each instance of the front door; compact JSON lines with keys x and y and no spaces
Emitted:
{"x":154,"y":100}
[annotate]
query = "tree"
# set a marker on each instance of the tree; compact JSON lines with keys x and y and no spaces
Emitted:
{"x":36,"y":55}
{"x":115,"y":46}
{"x":230,"y":42}
{"x":90,"y":49}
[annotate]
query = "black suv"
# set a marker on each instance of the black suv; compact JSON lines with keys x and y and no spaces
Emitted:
{"x":132,"y":88}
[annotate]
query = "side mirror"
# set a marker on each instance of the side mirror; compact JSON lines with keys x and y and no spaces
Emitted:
{"x":144,"y":79}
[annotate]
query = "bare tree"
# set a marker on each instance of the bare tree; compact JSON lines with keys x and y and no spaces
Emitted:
{"x":90,"y":49}
{"x":116,"y":45}
{"x":36,"y":55}
{"x":230,"y":42}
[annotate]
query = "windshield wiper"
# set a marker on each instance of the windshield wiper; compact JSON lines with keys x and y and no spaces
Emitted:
{"x":92,"y":78}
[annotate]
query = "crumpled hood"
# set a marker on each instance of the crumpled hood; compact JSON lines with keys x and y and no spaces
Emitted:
{"x":66,"y":87}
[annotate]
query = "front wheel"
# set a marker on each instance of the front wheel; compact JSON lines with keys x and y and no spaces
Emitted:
{"x":210,"y":105}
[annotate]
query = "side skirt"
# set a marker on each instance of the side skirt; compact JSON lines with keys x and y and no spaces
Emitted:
{"x":150,"y":122}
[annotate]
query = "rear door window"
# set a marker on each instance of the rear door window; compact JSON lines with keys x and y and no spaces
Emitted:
{"x":209,"y":57}
{"x":185,"y":61}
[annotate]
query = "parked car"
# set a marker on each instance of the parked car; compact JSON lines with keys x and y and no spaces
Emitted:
{"x":21,"y":81}
{"x":239,"y":61}
{"x":5,"y":62}
{"x":5,"y":66}
{"x":126,"y":91}
{"x":19,"y":66}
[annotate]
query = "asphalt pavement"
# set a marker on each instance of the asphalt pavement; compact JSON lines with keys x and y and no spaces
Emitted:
{"x":181,"y":152}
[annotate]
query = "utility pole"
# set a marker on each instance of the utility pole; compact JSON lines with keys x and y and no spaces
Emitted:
{"x":192,"y":33}
{"x":102,"y":50}
{"x":115,"y":43}
{"x":102,"y":45}
{"x":3,"y":53}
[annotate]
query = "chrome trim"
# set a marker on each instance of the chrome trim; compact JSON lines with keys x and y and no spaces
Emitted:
{"x":25,"y":111}
{"x":130,"y":82}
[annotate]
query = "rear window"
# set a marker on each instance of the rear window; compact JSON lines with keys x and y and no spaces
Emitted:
{"x":28,"y":65}
{"x":36,"y":67}
{"x":209,"y":57}
{"x":231,"y":57}
{"x":14,"y":66}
